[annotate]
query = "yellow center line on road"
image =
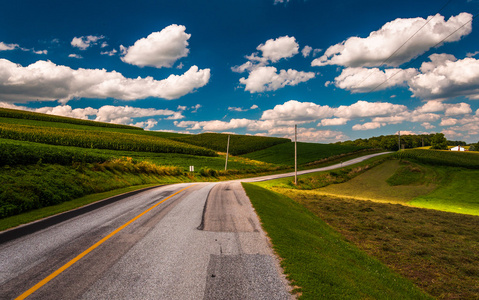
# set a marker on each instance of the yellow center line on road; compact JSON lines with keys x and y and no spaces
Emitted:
{"x":81,"y":255}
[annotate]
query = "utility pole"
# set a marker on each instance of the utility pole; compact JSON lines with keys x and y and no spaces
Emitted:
{"x":227,"y":152}
{"x":295,"y":154}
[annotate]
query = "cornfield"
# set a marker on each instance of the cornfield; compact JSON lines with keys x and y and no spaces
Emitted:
{"x":19,"y":114}
{"x":444,"y":158}
{"x":98,"y":140}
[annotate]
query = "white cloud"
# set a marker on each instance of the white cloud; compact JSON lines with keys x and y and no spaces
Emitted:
{"x":150,"y":123}
{"x":84,"y":42}
{"x":362,"y":80}
{"x":272,"y":51}
{"x":6,"y":47}
{"x":195,"y":108}
{"x":309,"y":134}
{"x":40,"y":51}
{"x":368,"y":126}
{"x":428,"y":125}
{"x":73,"y":55}
{"x":298,"y":111}
{"x":363,"y":109}
{"x":381,"y":44}
{"x":306,"y":51}
{"x":448,"y":122}
{"x":109,"y":53}
{"x":125,"y":114}
{"x":282,"y":47}
{"x":240,"y":109}
{"x":333,"y":122}
{"x":431,"y":106}
{"x":266,"y":79}
{"x":159,"y":49}
{"x":458,"y":109}
{"x":46,"y":81}
{"x":446,"y":77}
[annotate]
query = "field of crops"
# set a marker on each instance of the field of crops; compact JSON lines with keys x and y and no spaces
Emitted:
{"x":239,"y":144}
{"x":468,"y":160}
{"x":98,"y":139}
{"x":307,"y":153}
{"x":19,"y":114}
{"x":27,"y":153}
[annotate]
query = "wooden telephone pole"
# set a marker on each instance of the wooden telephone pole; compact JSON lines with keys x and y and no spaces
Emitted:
{"x":295,"y":154}
{"x":227,"y":152}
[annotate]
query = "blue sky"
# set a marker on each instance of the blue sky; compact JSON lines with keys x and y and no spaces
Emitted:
{"x":339,"y":69}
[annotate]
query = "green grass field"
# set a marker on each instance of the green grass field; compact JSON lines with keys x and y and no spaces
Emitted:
{"x":319,"y":260}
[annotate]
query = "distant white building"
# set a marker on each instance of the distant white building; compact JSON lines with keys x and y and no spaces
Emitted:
{"x":458,"y":148}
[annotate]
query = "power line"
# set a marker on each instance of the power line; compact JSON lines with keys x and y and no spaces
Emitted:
{"x":414,"y":60}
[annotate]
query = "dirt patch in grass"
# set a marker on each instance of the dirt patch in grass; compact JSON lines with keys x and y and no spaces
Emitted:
{"x":438,"y":251}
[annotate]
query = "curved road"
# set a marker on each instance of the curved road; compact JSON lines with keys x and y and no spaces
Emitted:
{"x":183,"y":241}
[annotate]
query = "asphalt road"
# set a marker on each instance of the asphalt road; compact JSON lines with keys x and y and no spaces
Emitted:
{"x":180,"y":249}
{"x":183,"y":241}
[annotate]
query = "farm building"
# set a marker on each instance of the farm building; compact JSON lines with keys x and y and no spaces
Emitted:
{"x":458,"y":148}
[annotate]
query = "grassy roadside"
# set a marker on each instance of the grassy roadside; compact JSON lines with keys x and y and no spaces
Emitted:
{"x":438,"y":251}
{"x":319,"y":260}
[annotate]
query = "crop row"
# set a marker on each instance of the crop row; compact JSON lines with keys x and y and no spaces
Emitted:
{"x":98,"y":140}
{"x":444,"y":158}
{"x":26,"y":153}
{"x":239,"y":144}
{"x":20,"y":114}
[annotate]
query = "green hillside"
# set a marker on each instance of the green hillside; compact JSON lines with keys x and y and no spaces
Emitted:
{"x":239,"y":144}
{"x":307,"y":153}
{"x":26,"y":115}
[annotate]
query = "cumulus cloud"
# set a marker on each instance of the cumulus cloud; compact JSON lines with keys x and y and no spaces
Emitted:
{"x":380,"y":45}
{"x":267,"y":79}
{"x":84,"y":42}
{"x":368,"y":126}
{"x":363,"y":109}
{"x":298,"y":111}
{"x":333,"y":122}
{"x":309,"y":134}
{"x":282,"y":47}
{"x":46,"y":81}
{"x":361,"y":80}
{"x":446,"y":77}
{"x":272,"y":51}
{"x":428,"y":125}
{"x":159,"y":49}
{"x":458,"y":109}
{"x":306,"y":51}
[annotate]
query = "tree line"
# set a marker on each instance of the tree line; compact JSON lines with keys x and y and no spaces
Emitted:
{"x":393,"y":142}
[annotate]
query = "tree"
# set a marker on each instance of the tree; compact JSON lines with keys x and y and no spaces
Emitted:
{"x":439,"y":141}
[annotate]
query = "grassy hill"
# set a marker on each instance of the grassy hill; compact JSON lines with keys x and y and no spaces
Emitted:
{"x":307,"y":153}
{"x":379,"y":207}
{"x":239,"y":144}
